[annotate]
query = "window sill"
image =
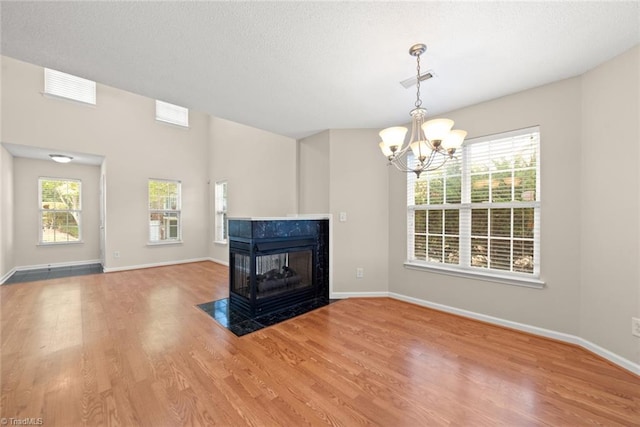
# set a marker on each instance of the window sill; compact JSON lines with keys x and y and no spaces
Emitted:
{"x":529,"y":282}
{"x":77,"y":242}
{"x":165,"y":243}
{"x":220,"y":242}
{"x":71,"y":100}
{"x":176,"y":125}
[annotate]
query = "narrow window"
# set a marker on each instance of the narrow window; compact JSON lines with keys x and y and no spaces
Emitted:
{"x":221,"y":212}
{"x":67,"y":86}
{"x":60,"y":203}
{"x":164,"y":211}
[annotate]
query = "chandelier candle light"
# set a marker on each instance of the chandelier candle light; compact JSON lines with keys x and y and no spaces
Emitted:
{"x":432,"y":142}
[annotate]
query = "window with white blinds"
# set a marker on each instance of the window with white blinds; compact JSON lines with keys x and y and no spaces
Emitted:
{"x":65,"y":85}
{"x":165,"y":209}
{"x":221,"y":212}
{"x":481,"y":211}
{"x":173,"y":114}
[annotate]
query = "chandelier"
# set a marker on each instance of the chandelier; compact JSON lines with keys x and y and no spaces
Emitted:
{"x":432,"y":142}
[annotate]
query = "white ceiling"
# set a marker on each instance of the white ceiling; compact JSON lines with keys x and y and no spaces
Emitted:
{"x":296,"y":68}
{"x":27,"y":151}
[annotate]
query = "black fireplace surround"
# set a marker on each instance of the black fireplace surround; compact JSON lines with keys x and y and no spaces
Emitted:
{"x":277,"y":263}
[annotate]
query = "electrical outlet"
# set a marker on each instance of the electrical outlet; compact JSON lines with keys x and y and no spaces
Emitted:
{"x":116,"y":254}
{"x":635,"y":326}
{"x":359,"y":273}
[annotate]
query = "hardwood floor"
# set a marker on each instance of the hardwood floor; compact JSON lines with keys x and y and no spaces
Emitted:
{"x":130,"y":349}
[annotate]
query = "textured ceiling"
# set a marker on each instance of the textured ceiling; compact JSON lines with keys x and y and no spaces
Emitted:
{"x":296,"y":68}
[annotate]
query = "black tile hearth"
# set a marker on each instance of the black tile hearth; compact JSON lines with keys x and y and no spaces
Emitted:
{"x":53,"y":273}
{"x":241,"y":325}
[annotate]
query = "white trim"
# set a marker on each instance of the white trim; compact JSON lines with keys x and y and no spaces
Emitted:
{"x":70,"y":100}
{"x":480,"y":274}
{"x":155,"y":264}
{"x":342,"y":295}
{"x":547,"y":333}
{"x":57,"y":264}
{"x":219,"y":261}
{"x":74,"y":242}
{"x":6,"y":276}
{"x":165,"y":242}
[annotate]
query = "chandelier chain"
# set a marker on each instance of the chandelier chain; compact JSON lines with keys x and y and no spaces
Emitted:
{"x":418,"y":103}
{"x":431,"y":143}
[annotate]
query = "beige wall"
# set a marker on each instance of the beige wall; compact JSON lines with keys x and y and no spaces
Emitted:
{"x":27,"y":251}
{"x":260,"y":170}
{"x":610,"y":292}
{"x":123,"y":129}
{"x":313,"y":174}
{"x":358,"y":186}
{"x":6,"y":213}
{"x":591,"y":275}
{"x":556,"y":108}
{"x":590,"y":241}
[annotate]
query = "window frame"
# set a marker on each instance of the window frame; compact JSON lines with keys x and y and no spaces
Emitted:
{"x":169,"y":215}
{"x":465,"y":208}
{"x":221,"y":224}
{"x":42,"y":211}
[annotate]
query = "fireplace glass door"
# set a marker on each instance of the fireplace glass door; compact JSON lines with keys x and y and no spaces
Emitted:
{"x":275,"y":273}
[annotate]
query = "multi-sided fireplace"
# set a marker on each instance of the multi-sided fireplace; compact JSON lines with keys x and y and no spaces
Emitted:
{"x":277,"y":263}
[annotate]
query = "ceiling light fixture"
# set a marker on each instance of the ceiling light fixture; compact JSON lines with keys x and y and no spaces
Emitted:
{"x":432,"y":142}
{"x":60,"y":158}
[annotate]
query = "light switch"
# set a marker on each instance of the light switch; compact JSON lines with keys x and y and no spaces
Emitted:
{"x":343,"y":217}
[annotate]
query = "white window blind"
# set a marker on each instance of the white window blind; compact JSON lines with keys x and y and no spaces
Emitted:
{"x":165,"y":209}
{"x":221,"y":211}
{"x":481,"y":211}
{"x":173,"y":114}
{"x":68,"y":86}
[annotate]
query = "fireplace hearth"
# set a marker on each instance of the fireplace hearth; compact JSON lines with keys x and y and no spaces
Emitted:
{"x":277,"y":263}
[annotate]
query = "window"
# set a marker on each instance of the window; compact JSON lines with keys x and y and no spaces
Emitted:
{"x":164,"y":211}
{"x":71,"y":87}
{"x":173,"y":114}
{"x":481,"y":211}
{"x":221,"y":212}
{"x":60,"y":204}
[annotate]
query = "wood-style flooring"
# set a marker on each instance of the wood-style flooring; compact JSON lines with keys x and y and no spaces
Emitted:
{"x":130,"y":348}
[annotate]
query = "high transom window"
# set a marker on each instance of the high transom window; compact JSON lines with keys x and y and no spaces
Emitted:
{"x":170,"y":113}
{"x":68,"y":86}
{"x":481,"y":211}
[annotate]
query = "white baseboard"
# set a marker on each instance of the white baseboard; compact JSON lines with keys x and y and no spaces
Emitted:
{"x":52,"y":265}
{"x":560,"y":336}
{"x":219,"y":261}
{"x":342,"y":295}
{"x":57,"y":264}
{"x":155,"y":264}
{"x":6,"y":276}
